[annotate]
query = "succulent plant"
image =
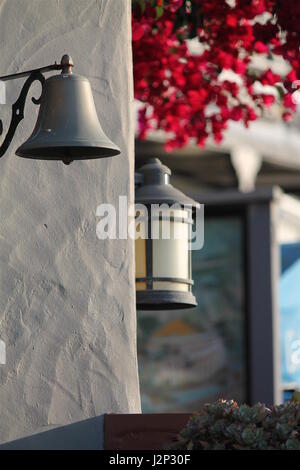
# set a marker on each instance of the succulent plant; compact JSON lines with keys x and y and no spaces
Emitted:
{"x":226,"y":425}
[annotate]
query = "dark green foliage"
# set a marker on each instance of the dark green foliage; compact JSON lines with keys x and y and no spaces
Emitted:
{"x":225,"y":425}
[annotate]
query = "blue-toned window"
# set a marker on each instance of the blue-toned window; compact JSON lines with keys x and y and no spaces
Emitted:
{"x":290,"y":317}
{"x":190,"y":357}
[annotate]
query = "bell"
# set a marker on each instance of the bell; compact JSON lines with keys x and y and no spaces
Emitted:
{"x":67,"y":127}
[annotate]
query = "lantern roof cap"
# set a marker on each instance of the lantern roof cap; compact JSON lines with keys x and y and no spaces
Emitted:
{"x":156,"y":188}
{"x":155,"y":165}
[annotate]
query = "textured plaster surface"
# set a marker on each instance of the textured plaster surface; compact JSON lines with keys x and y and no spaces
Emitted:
{"x":67,"y":299}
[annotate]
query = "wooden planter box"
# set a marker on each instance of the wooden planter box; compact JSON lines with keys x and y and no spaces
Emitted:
{"x":142,"y":431}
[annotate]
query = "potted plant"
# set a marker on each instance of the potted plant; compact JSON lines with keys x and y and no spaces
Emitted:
{"x":225,"y":425}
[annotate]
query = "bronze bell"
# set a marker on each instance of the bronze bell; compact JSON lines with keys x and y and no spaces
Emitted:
{"x":67,"y":127}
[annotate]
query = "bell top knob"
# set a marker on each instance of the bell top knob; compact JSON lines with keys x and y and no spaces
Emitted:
{"x":66,"y":63}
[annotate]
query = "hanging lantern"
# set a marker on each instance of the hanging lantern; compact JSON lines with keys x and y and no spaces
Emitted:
{"x":164,"y":218}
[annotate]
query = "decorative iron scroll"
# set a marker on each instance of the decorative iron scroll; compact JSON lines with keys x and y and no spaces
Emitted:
{"x":18,"y":109}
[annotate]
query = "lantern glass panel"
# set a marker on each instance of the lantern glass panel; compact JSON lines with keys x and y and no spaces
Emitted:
{"x":171,"y":249}
{"x":140,"y":262}
{"x":140,"y":253}
{"x":176,"y":286}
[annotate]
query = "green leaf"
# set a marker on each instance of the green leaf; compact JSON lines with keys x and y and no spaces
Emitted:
{"x":296,"y":395}
{"x":280,"y":91}
{"x":293,"y":444}
{"x":141,"y":3}
{"x":159,"y":11}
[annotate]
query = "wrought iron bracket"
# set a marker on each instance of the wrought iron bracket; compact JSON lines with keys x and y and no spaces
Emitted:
{"x":18,"y":109}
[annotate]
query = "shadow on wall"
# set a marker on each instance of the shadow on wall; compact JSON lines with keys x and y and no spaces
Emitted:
{"x":84,"y":435}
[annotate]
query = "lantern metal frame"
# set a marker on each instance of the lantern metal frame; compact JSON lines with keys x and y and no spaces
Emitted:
{"x":65,"y":66}
{"x":153,"y":299}
{"x":159,"y":191}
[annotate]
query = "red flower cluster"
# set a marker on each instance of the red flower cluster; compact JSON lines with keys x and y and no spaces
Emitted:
{"x":187,"y":94}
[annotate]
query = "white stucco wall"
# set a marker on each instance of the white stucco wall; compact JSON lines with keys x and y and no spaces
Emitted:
{"x":67,"y":300}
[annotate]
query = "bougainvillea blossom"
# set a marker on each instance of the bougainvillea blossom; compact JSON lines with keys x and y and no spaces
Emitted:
{"x":186,"y":94}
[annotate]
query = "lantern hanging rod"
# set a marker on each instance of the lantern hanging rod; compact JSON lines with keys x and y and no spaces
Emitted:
{"x":65,"y":66}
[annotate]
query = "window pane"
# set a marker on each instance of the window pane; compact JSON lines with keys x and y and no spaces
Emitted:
{"x":189,"y":357}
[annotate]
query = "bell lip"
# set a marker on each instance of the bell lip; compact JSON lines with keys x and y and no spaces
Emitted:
{"x":75,"y":152}
{"x":164,"y":300}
